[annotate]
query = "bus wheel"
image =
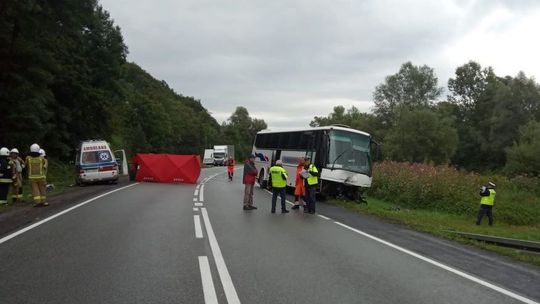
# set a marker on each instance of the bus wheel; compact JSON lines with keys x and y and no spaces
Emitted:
{"x":261,"y":181}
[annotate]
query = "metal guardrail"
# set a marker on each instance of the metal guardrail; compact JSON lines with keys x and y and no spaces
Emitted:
{"x":515,"y":243}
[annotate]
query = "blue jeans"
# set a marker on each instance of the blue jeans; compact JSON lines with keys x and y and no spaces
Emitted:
{"x":275,"y":192}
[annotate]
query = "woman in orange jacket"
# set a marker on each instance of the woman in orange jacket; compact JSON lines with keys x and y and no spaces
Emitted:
{"x":299,"y":189}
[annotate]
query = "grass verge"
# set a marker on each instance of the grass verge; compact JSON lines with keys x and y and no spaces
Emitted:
{"x":437,"y":223}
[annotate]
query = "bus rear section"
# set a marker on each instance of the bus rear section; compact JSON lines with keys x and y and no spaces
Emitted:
{"x":95,"y":162}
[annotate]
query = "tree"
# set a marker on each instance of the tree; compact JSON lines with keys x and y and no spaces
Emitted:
{"x":240,"y":130}
{"x":523,"y":157}
{"x":470,"y":85}
{"x":411,"y":86}
{"x":353,"y":118}
{"x":421,"y":135}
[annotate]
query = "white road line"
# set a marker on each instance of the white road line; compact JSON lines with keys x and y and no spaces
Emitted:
{"x":209,"y":290}
{"x":195,"y":209}
{"x":194,"y":199}
{"x":198,"y":228}
{"x":196,"y":192}
{"x":322,"y":216}
{"x":9,"y":237}
{"x":198,"y":204}
{"x":201,"y":194}
{"x":226,"y":281}
{"x":445,"y":267}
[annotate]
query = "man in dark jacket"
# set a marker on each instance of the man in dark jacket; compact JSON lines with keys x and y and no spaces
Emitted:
{"x":250,"y":174}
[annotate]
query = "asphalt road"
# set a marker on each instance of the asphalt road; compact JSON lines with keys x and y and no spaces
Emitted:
{"x":160,"y":243}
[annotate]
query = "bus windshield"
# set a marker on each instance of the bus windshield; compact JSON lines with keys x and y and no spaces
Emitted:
{"x":349,"y":151}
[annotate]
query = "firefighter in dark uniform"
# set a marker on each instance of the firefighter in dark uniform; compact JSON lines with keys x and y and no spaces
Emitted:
{"x":6,"y":175}
{"x":487,"y":201}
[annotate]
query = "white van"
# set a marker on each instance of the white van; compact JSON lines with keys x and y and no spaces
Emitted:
{"x":95,"y":162}
{"x":208,"y":158}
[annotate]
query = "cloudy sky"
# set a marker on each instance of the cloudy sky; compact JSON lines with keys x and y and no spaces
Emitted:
{"x":289,"y":60}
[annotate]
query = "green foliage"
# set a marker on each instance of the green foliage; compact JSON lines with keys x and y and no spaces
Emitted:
{"x":153,"y":118}
{"x":351,"y":117}
{"x":524,"y":156}
{"x":446,"y":189}
{"x":63,"y":72}
{"x":240,"y":130}
{"x":421,"y":135}
{"x":490,"y":110}
{"x":411,"y":86}
{"x":59,"y":65}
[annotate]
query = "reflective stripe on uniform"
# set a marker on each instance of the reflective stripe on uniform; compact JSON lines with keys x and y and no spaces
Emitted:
{"x":312,"y":180}
{"x":489,"y":200}
{"x":6,"y":180}
{"x":36,"y":167}
{"x":277,"y":179}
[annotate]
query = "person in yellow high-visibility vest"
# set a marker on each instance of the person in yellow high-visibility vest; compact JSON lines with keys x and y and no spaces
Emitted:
{"x":487,"y":201}
{"x":16,"y":187}
{"x":278,"y":180}
{"x":37,"y":168}
{"x":312,"y":181}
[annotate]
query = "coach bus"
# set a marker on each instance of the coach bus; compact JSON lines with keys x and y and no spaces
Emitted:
{"x":342,"y":155}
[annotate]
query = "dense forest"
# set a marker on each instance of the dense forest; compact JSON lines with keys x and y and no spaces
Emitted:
{"x":64,"y":78}
{"x":486,"y":123}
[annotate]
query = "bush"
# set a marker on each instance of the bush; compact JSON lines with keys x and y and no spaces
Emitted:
{"x":447,"y":189}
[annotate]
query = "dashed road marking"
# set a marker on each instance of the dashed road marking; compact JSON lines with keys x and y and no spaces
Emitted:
{"x":209,"y":290}
{"x":198,"y":228}
{"x":201,"y":194}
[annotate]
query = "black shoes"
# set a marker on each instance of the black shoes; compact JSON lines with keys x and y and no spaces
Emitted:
{"x":285,"y":211}
{"x":273,"y":211}
{"x":253,"y":208}
{"x":296,"y":207}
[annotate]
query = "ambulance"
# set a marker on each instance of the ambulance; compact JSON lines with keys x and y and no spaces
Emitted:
{"x":95,"y":162}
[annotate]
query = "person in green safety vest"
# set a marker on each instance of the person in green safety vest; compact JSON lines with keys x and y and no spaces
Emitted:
{"x":312,"y":181}
{"x":278,"y":180}
{"x":487,"y":201}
